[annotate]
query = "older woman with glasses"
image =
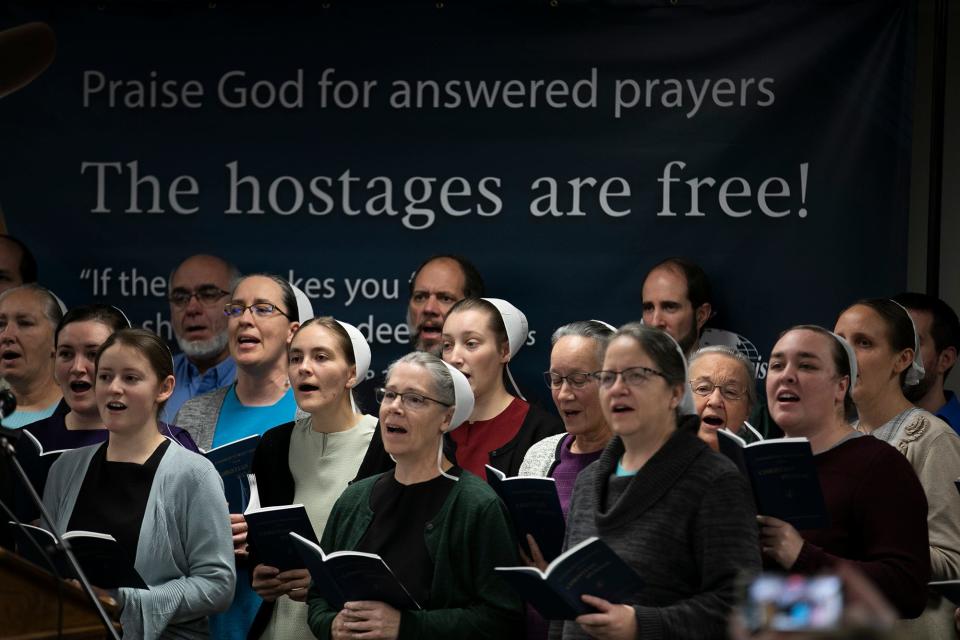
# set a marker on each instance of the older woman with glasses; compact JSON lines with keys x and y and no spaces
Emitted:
{"x":441,"y":530}
{"x":261,"y":319}
{"x":723,"y":388}
{"x":680,"y":514}
{"x":577,"y":352}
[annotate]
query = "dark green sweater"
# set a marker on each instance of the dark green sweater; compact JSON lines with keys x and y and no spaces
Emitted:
{"x":468,"y":538}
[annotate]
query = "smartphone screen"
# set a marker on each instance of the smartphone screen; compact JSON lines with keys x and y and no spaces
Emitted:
{"x":794,"y":603}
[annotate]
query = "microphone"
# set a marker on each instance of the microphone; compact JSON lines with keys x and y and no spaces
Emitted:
{"x":8,"y":403}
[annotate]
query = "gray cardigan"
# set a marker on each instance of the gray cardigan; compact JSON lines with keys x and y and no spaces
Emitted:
{"x":199,"y":415}
{"x":185,"y":549}
{"x":685,"y":522}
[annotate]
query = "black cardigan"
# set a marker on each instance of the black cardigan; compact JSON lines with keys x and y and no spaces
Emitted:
{"x":275,"y":487}
{"x":537,"y":425}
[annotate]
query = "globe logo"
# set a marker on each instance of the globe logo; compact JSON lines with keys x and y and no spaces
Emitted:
{"x":721,"y":337}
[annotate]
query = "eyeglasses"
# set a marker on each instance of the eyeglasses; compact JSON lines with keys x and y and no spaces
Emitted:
{"x":728,"y":391}
{"x":259,"y":309}
{"x":207,"y":295}
{"x":577,"y":380}
{"x":409,"y":400}
{"x":632,"y":376}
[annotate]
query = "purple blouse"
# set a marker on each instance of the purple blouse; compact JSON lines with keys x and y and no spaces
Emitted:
{"x":566,"y":470}
{"x":53,"y":434}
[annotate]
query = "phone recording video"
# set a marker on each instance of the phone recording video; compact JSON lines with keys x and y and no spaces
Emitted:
{"x":794,"y":603}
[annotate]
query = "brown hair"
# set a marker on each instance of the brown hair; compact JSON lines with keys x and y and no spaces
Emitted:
{"x":105,"y":314}
{"x":899,"y":328}
{"x":841,"y":363}
{"x":149,"y":345}
{"x":343,"y":342}
{"x":343,"y":339}
{"x":494,"y":319}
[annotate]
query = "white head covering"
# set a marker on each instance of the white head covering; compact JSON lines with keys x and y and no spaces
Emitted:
{"x":851,"y":359}
{"x":916,"y":372}
{"x":515,"y":323}
{"x":63,"y":307}
{"x":463,"y":406}
{"x":606,"y":324}
{"x":361,"y":349}
{"x":463,"y":397}
{"x":361,"y":356}
{"x":120,"y":311}
{"x":304,"y":306}
{"x":686,"y":407}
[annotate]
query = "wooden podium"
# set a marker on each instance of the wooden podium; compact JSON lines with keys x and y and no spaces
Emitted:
{"x":28,"y":604}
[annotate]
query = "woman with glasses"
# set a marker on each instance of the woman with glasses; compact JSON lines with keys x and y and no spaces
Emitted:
{"x":887,"y":348}
{"x":680,"y":514}
{"x":261,"y":319}
{"x":440,"y":530}
{"x":577,"y":352}
{"x":310,"y":461}
{"x":724,"y":393}
{"x":875,"y":504}
{"x":480,"y":336}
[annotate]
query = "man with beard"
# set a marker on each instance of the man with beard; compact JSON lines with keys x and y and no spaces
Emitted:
{"x":676,"y":299}
{"x":198,"y":289}
{"x":436,"y":285}
{"x":939,"y":331}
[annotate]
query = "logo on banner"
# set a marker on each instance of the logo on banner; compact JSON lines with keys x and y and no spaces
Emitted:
{"x":722,"y":337}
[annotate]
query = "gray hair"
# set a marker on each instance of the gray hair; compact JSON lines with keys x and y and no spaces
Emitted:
{"x":51,"y":304}
{"x":233,"y":273}
{"x":589,"y":329}
{"x":442,"y":381}
{"x":741,"y":359}
{"x":661,"y":348}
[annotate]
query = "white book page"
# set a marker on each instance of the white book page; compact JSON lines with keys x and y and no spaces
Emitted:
{"x":253,"y":504}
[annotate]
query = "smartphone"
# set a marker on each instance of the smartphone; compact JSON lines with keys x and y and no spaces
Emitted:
{"x":794,"y":603}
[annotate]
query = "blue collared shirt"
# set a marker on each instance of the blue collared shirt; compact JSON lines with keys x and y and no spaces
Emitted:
{"x":191,"y":383}
{"x":950,"y":412}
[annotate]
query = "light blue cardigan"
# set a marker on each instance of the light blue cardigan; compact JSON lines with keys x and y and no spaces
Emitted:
{"x":185,"y":549}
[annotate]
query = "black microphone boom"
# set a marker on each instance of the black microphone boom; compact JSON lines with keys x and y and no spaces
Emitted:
{"x":8,"y":403}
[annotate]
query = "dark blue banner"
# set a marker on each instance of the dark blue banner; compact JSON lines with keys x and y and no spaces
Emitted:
{"x":564,"y":150}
